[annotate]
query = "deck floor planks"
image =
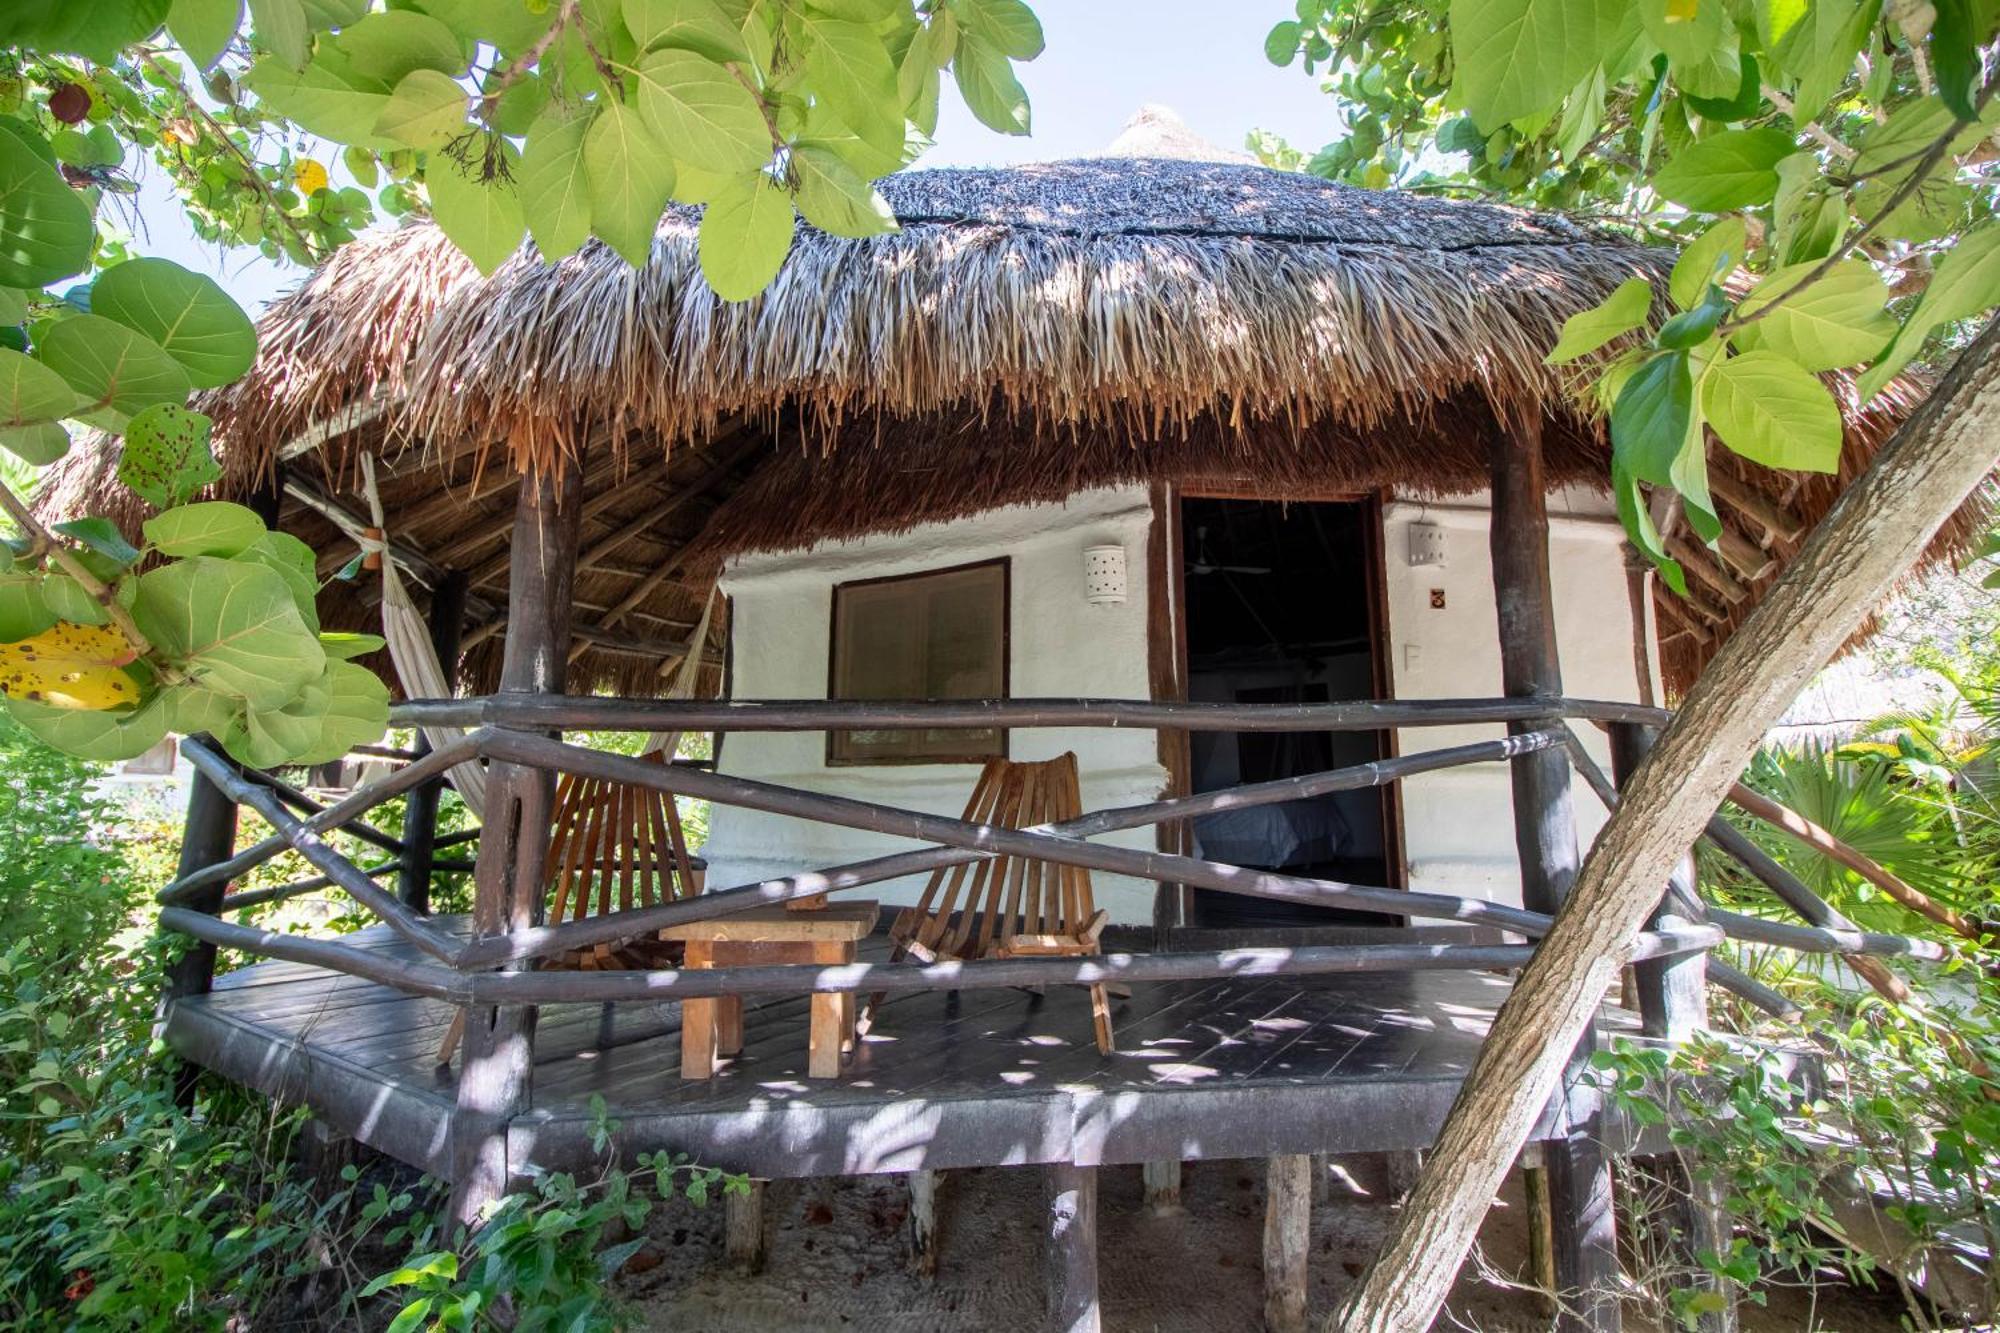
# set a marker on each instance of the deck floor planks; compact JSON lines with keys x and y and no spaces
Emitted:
{"x":1205,"y":1068}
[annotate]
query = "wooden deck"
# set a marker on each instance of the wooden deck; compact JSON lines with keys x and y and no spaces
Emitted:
{"x":1217,"y":1069}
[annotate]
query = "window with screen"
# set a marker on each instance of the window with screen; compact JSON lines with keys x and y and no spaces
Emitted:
{"x":923,"y":636}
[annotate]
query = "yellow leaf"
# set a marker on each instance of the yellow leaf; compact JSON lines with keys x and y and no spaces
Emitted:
{"x":70,"y":666}
{"x":309,"y":176}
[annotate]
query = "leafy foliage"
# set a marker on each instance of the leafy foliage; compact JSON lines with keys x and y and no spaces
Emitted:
{"x":1827,"y":159}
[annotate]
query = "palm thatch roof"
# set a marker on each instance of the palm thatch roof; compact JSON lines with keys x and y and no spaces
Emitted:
{"x":1027,"y":331}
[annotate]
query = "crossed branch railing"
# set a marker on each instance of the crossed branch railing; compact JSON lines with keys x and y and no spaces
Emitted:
{"x":512,"y":729}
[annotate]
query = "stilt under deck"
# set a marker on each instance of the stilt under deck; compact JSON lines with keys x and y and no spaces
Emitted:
{"x":1244,"y":1067}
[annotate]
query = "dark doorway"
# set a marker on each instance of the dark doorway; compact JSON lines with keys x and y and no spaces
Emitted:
{"x":1281,"y":608}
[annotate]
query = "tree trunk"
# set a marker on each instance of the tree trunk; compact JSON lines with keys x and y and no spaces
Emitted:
{"x":1870,"y":538}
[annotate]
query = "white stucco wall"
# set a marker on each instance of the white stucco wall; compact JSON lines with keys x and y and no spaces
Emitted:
{"x":1061,"y":645}
{"x":1457,"y":825}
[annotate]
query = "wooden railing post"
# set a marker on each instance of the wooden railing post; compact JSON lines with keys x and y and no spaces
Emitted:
{"x":1673,"y":991}
{"x":494,"y":1084}
{"x":1579,"y":1177}
{"x":420,"y":809}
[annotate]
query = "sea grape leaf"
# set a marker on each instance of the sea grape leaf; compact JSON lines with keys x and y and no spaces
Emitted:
{"x":231,"y":625}
{"x":342,"y":645}
{"x":90,"y":734}
{"x":68,"y":599}
{"x":186,"y":313}
{"x":293,"y":561}
{"x":24,"y":611}
{"x":192,"y":710}
{"x":212,"y":527}
{"x":40,"y":443}
{"x":167,"y":456}
{"x":281,"y":27}
{"x":114,"y":368}
{"x":46,"y":228}
{"x":325,"y":98}
{"x":102,"y":536}
{"x":30,"y":391}
{"x":70,"y":666}
{"x":356,"y":713}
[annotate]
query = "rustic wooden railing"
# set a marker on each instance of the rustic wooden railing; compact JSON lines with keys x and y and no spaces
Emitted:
{"x":514,"y":729}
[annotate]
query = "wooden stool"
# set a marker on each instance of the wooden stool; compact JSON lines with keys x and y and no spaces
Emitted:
{"x":714,"y":1027}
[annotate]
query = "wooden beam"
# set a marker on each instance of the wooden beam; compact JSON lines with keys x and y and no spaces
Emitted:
{"x":1070,"y":1256}
{"x":1579,"y":1176}
{"x":495,"y":1083}
{"x":1705,"y":565}
{"x":1162,"y":1183}
{"x":717,"y":472}
{"x":420,"y":807}
{"x":923,"y":1223}
{"x":743,"y":1229}
{"x":1287,"y":1241}
{"x":1748,"y":559}
{"x":1784,"y":527}
{"x":208,"y":838}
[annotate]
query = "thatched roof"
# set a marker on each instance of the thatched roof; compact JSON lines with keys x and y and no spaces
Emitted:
{"x":1028,"y":330}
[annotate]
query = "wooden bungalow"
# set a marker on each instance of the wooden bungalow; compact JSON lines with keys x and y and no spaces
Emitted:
{"x":1250,"y":491}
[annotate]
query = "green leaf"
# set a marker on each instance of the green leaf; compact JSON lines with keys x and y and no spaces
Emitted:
{"x":1653,"y":418}
{"x":483,"y":217}
{"x":24,"y":611}
{"x":1519,"y":57}
{"x":392,"y":45}
{"x":166,"y":458}
{"x":67,"y":598}
{"x":631,"y":177}
{"x":194,"y":711}
{"x":212,"y":527}
{"x":746,"y":232}
{"x":280,"y":27}
{"x":40,"y":443}
{"x":326,"y":98}
{"x":46,"y":229}
{"x":1012,"y":29}
{"x":427,"y":110}
{"x":1809,"y":219}
{"x":342,"y":645}
{"x":1281,"y":44}
{"x":1965,"y":283}
{"x":1818,"y":50}
{"x":232,"y":626}
{"x":1730,"y":170}
{"x":1837,"y":320}
{"x":102,"y":536}
{"x":555,"y":187}
{"x":986,"y":81}
{"x":833,"y":196}
{"x":86,"y":733}
{"x":1690,"y":328}
{"x":356,"y":713}
{"x":849,"y":69}
{"x":697,"y":106}
{"x":1771,"y":412}
{"x":1709,"y":259}
{"x":293,"y":561}
{"x":699,"y":26}
{"x":1637,"y":517}
{"x":186,"y":313}
{"x":204,"y":28}
{"x":1955,"y":41}
{"x":112,"y":366}
{"x":1689,"y":31}
{"x":98,"y":30}
{"x":1619,"y":313}
{"x":31,"y":392}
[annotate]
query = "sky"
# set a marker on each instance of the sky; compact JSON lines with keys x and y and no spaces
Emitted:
{"x":1105,"y":59}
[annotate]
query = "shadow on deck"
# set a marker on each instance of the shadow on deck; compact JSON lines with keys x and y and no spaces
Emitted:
{"x":1208,"y":1069}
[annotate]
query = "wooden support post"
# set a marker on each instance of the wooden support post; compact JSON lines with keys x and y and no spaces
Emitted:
{"x":1579,"y":1177}
{"x":743,"y":1229}
{"x":1163,"y":1186}
{"x":1070,"y":1261}
{"x":1672,"y":991}
{"x":1287,"y":1239}
{"x":494,"y":1083}
{"x":420,"y":808}
{"x":1400,"y":1171}
{"x":923,"y":1232}
{"x":1322,"y":1181}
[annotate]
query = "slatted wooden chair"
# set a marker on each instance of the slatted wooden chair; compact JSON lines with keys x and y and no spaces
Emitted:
{"x":1008,"y":906}
{"x":612,"y":847}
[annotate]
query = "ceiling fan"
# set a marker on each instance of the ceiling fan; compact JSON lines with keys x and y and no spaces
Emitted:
{"x":1202,"y":564}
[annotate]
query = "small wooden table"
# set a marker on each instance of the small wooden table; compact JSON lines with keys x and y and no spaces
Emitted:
{"x":714,"y":1027}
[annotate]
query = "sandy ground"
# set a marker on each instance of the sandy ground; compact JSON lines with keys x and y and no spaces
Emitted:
{"x":837,"y":1260}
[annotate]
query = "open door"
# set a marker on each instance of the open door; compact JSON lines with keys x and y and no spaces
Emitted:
{"x":1282,"y":606}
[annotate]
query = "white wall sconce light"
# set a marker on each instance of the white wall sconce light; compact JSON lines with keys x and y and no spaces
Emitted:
{"x":1104,"y":575}
{"x":1427,"y":544}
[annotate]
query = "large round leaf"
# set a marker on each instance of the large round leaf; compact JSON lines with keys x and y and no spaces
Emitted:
{"x":70,"y":666}
{"x":46,"y":228}
{"x":232,"y":626}
{"x":103,"y":737}
{"x":166,"y":457}
{"x":204,"y":28}
{"x":478,"y":210}
{"x":746,"y":232}
{"x":113,"y":367}
{"x":40,"y":443}
{"x":24,"y":611}
{"x":185,"y":313}
{"x":213,"y":527}
{"x":30,"y":391}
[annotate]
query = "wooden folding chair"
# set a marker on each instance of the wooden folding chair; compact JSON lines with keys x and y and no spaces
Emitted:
{"x":612,"y":847}
{"x":1008,"y":906}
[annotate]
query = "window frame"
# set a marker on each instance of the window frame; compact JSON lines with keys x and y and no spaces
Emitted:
{"x":834,"y":759}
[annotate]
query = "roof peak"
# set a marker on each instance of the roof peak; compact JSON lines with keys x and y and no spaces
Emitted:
{"x":1156,"y":130}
